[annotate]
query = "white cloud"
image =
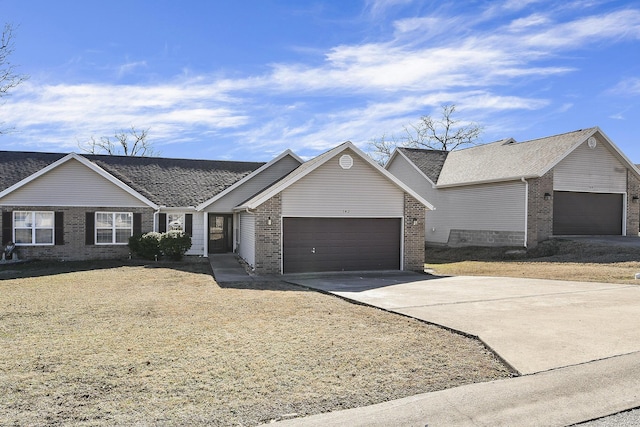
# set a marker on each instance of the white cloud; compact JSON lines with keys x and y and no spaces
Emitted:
{"x":424,"y":62}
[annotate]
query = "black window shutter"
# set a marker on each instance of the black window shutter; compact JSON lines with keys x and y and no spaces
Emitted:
{"x":188,"y":224}
{"x":59,"y":228}
{"x":89,"y":228}
{"x":7,"y":227}
{"x":162,"y":223}
{"x":137,"y":224}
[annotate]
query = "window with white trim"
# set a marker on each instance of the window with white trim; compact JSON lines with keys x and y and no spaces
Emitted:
{"x":33,"y":227}
{"x":113,"y":228}
{"x":175,"y":222}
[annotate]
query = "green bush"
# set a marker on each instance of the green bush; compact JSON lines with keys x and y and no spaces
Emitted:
{"x":146,"y":245}
{"x":174,"y":244}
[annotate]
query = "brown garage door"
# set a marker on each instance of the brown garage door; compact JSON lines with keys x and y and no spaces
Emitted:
{"x":340,"y":244}
{"x":587,"y":213}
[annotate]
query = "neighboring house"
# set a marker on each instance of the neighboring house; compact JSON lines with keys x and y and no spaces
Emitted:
{"x":518,"y":194}
{"x":329,"y":213}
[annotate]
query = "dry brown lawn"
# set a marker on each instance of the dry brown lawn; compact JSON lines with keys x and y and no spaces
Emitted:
{"x":558,"y":259}
{"x":111,"y":344}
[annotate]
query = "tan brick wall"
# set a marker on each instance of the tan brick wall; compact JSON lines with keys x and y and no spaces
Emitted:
{"x":268,"y":237}
{"x":539,"y":210}
{"x":633,"y":208}
{"x":74,"y":247}
{"x":413,"y":234}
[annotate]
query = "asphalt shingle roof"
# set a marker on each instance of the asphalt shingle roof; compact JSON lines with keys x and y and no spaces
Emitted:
{"x":164,"y":181}
{"x":430,"y":162}
{"x":507,"y":159}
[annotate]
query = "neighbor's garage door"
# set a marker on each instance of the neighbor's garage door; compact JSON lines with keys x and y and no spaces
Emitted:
{"x":340,"y":244}
{"x":587,"y":213}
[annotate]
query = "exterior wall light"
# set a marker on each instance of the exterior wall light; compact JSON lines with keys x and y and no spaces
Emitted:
{"x":547,"y":196}
{"x":415,"y":221}
{"x":269,"y":221}
{"x":634,"y":199}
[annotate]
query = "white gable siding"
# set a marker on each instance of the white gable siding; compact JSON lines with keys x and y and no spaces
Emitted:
{"x":493,"y":207}
{"x":71,"y":184}
{"x":247,"y":238}
{"x":332,"y":191}
{"x":253,"y":186}
{"x":591,"y":170}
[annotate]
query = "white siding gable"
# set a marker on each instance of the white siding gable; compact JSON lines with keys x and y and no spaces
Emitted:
{"x":71,"y":184}
{"x":590,"y":170}
{"x":332,"y":191}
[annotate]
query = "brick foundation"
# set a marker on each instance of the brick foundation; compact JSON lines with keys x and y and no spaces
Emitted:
{"x":459,"y":238}
{"x":539,"y":210}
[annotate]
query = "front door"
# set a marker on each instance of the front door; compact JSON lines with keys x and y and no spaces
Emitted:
{"x":220,"y":233}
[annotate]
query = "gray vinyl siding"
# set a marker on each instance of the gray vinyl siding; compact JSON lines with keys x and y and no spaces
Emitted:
{"x":247,"y":246}
{"x":594,"y":170}
{"x":402,"y":169}
{"x":492,"y":207}
{"x":331,"y":191}
{"x":71,"y":184}
{"x":254,"y":185}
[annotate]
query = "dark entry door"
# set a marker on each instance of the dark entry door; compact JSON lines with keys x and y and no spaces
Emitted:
{"x":220,"y":233}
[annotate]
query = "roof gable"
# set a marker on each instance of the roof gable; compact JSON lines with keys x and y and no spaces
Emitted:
{"x":428,"y":162}
{"x":311,"y":165}
{"x":64,"y":160}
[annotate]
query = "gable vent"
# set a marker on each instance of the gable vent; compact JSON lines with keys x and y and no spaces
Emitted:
{"x":346,"y":161}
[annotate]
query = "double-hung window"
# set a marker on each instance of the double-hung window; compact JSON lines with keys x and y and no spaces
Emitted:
{"x":113,"y":228}
{"x":33,"y":227}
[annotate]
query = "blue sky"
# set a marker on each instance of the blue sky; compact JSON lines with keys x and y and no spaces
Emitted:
{"x":247,"y":79}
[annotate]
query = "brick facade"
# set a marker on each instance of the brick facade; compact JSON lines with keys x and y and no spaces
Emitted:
{"x":268,"y":245}
{"x":413,"y":234}
{"x":633,"y":207}
{"x":539,"y":210}
{"x":75,"y":247}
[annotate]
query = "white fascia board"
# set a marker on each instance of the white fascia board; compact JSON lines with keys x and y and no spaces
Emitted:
{"x":256,"y":172}
{"x":316,"y":163}
{"x":97,"y":169}
{"x":177,"y":209}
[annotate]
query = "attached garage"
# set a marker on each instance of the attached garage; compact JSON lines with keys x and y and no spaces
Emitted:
{"x":337,"y":212}
{"x":341,"y":244}
{"x":587,"y":213}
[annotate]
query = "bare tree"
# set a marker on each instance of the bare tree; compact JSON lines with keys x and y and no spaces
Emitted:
{"x":444,"y":134}
{"x":133,"y":143}
{"x":9,"y":77}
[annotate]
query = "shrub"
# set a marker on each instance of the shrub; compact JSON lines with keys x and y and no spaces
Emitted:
{"x":147,"y":245}
{"x":175,"y":244}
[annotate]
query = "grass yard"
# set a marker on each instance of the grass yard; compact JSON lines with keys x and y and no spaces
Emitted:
{"x":109,"y":344}
{"x":556,"y":259}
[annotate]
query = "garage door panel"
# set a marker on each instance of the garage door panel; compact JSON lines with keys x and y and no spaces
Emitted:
{"x":587,"y":213}
{"x":341,"y":244}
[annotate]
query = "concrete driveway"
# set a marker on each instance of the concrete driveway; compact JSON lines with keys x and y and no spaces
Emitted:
{"x":534,"y":325}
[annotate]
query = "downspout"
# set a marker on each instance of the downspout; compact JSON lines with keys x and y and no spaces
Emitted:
{"x":155,"y":217}
{"x":526,"y":210}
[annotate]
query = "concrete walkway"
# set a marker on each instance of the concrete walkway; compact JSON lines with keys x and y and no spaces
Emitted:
{"x":227,"y":269}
